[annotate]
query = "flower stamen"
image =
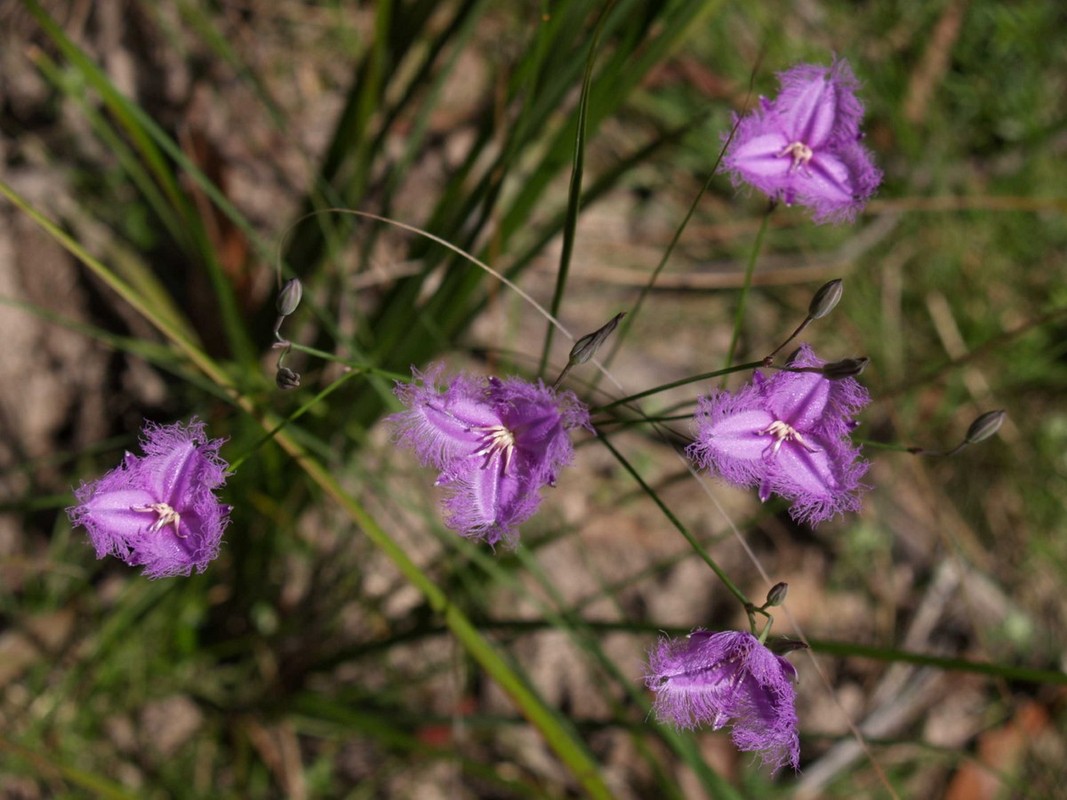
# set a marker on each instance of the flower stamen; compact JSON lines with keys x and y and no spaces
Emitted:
{"x":167,"y":516}
{"x":496,"y":439}
{"x":783,"y":431}
{"x":800,"y":152}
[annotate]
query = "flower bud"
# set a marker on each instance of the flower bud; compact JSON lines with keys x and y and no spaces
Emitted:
{"x":289,"y":297}
{"x":985,"y":426}
{"x":586,"y":347}
{"x":782,"y":645}
{"x":776,"y":596}
{"x":287,"y":378}
{"x":845,"y":368}
{"x":828,"y":296}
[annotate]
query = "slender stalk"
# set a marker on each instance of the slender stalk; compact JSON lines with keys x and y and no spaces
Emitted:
{"x":674,"y":384}
{"x":677,"y":523}
{"x":750,"y":268}
{"x":632,"y":314}
{"x":574,"y":195}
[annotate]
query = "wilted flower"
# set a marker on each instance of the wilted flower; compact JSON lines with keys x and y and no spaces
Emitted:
{"x":728,"y":678}
{"x":159,"y":510}
{"x":494,"y":442}
{"x":803,"y":147}
{"x":788,"y":435}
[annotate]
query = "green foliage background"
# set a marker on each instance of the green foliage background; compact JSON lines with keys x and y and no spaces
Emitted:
{"x":345,"y":644}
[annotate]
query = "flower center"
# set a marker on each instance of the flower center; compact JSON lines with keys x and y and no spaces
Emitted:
{"x":783,"y":432}
{"x":496,"y":439}
{"x":167,"y":516}
{"x":800,"y":153}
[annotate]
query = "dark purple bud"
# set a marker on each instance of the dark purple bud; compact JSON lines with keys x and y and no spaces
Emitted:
{"x":289,"y":297}
{"x":828,"y":296}
{"x":287,"y":378}
{"x":985,"y":426}
{"x":845,"y":368}
{"x":776,"y":596}
{"x":586,"y":347}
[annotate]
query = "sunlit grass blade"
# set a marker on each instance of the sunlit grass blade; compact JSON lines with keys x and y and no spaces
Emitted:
{"x":155,"y":147}
{"x":556,"y":732}
{"x":574,"y":193}
{"x":462,"y":291}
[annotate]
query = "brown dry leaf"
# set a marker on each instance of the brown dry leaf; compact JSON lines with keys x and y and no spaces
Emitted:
{"x":278,"y":747}
{"x":1000,"y":752}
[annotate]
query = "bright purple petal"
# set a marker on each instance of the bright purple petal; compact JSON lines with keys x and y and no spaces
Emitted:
{"x":159,"y":511}
{"x":495,"y":443}
{"x":798,"y":398}
{"x":787,"y":435}
{"x":821,"y":485}
{"x":766,"y":719}
{"x":799,"y":472}
{"x":489,"y":503}
{"x":729,"y":439}
{"x":758,"y":161}
{"x":442,"y":425}
{"x":166,"y":553}
{"x":105,"y":510}
{"x":825,"y":185}
{"x":728,"y":678}
{"x":835,"y":87}
{"x":803,"y":146}
{"x":810,"y":111}
{"x":180,"y":459}
{"x":832,"y":414}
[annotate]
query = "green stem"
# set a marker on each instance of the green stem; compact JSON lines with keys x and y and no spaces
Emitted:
{"x":574,"y":195}
{"x":833,"y":647}
{"x":355,"y":365}
{"x":892,"y":446}
{"x":631,"y":315}
{"x":656,"y":390}
{"x":268,"y":435}
{"x":720,"y":574}
{"x":750,"y":269}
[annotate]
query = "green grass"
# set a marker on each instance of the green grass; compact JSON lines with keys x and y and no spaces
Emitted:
{"x":346,"y":644}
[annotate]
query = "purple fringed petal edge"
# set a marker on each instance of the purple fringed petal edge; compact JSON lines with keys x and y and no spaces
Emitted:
{"x":718,"y":405}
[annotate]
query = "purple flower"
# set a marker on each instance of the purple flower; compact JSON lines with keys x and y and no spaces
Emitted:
{"x":159,"y":510}
{"x":789,"y":435}
{"x":728,"y":678}
{"x":803,"y":147}
{"x":494,"y":442}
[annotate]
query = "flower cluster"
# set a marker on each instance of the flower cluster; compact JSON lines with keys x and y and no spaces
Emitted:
{"x":804,"y":146}
{"x":494,"y":442}
{"x":728,"y":678}
{"x":159,"y":510}
{"x":789,"y":435}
